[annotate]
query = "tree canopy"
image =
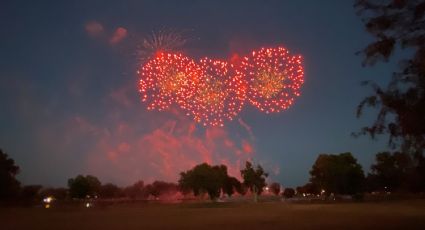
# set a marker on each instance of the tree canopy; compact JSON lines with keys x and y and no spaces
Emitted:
{"x":159,"y":188}
{"x":206,"y":178}
{"x":109,"y":190}
{"x":288,"y":193}
{"x":396,"y":172}
{"x":275,"y":188}
{"x":254,"y":178}
{"x":83,"y":186}
{"x":135,"y":191}
{"x":339,"y":174}
{"x":308,"y":189}
{"x":232,"y":185}
{"x":397,"y":25}
{"x":9,"y":185}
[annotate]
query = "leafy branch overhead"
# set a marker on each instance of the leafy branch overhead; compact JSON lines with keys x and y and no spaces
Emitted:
{"x":397,"y":26}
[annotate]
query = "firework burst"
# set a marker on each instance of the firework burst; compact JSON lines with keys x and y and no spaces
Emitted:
{"x":274,"y":78}
{"x":214,"y":91}
{"x":166,"y":40}
{"x":168,"y":78}
{"x":220,"y":93}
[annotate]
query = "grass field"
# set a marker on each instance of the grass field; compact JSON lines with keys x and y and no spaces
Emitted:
{"x":272,"y":215}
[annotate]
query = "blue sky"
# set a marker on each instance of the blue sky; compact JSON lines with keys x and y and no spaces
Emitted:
{"x":68,"y":90}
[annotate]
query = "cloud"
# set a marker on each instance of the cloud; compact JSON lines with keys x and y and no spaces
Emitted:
{"x":164,"y":152}
{"x":96,"y":29}
{"x":127,"y":143}
{"x":122,"y":96}
{"x":119,"y":34}
{"x":93,"y":28}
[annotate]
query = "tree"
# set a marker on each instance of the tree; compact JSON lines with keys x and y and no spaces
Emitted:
{"x":9,"y":185}
{"x":84,"y":186}
{"x":148,"y":190}
{"x":275,"y":188}
{"x":94,"y":184}
{"x":395,"y":172}
{"x":231,"y":184}
{"x":242,"y":189}
{"x":288,"y":193}
{"x":308,"y":188}
{"x":135,"y":191}
{"x":339,"y":174}
{"x":109,"y":190}
{"x":397,"y":24}
{"x":204,"y":178}
{"x":254,"y":179}
{"x":30,"y":194}
{"x":390,"y":170}
{"x":160,"y":188}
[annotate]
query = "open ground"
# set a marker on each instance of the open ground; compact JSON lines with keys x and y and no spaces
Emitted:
{"x":269,"y":215}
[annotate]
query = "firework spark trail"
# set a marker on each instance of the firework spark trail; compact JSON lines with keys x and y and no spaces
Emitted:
{"x":165,"y":40}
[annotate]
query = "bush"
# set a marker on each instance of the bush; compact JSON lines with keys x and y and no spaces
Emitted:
{"x":288,"y":193}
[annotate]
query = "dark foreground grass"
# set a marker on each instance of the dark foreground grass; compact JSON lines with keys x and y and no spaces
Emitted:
{"x":274,"y":215}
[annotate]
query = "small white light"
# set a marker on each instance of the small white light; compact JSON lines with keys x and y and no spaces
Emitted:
{"x":48,"y":199}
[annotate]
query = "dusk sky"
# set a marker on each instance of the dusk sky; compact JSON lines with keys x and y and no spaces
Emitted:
{"x":69,"y":100}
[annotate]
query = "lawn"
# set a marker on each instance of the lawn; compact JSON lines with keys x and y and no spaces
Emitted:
{"x":271,"y":215}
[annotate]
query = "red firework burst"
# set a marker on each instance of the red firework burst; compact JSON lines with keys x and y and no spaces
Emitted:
{"x":219,"y":95}
{"x":214,"y":91}
{"x":168,"y":78}
{"x":274,"y":78}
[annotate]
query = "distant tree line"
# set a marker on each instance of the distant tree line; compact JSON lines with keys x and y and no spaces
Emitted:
{"x":330,"y":174}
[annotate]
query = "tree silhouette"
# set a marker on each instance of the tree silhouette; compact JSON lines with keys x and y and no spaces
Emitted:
{"x":135,"y":191}
{"x":231,"y":184}
{"x":254,"y":178}
{"x":288,"y":193}
{"x":84,"y":186}
{"x":275,"y":188}
{"x":397,"y":24}
{"x":9,"y":185}
{"x":158,"y":188}
{"x":30,"y":194}
{"x":339,"y":174}
{"x":308,"y":189}
{"x":396,"y":172}
{"x":206,"y":178}
{"x":109,"y":190}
